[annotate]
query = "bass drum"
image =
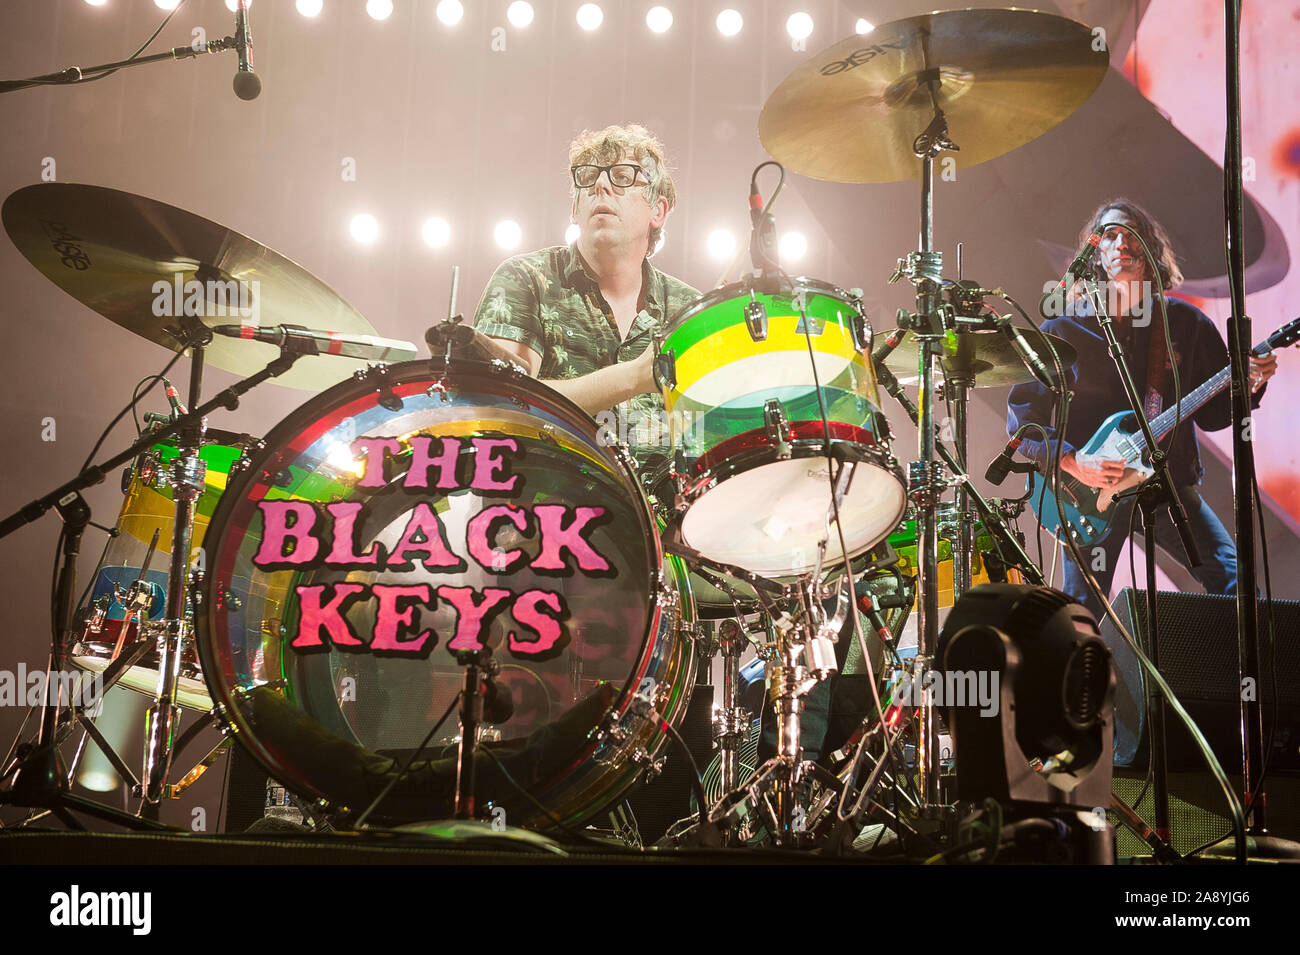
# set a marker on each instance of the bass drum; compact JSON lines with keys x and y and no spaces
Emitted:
{"x":409,"y":517}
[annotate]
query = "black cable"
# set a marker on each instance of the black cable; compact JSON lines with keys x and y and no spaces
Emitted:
{"x":135,"y":398}
{"x":409,"y":761}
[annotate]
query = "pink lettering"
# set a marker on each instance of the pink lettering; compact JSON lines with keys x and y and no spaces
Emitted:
{"x":423,"y":534}
{"x":479,"y":529}
{"x":313,"y":615}
{"x":372,"y":449}
{"x":487,"y":464}
{"x":343,"y":553}
{"x":556,"y":537}
{"x":279,"y":529}
{"x":421,"y":462}
{"x":391,"y":622}
{"x":548,"y":628}
{"x":472,"y":619}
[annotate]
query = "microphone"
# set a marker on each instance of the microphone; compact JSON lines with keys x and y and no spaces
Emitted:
{"x":1080,"y":263}
{"x":306,"y":341}
{"x":893,"y":341}
{"x":247,"y":84}
{"x":1072,"y":275}
{"x":1044,"y":373}
{"x":1001,"y":466}
{"x":173,"y":399}
{"x":498,"y":704}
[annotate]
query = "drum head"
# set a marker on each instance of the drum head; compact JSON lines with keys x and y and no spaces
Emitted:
{"x":393,"y":523}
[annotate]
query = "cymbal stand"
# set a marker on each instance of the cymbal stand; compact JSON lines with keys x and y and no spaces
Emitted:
{"x":187,"y":481}
{"x":924,"y":269}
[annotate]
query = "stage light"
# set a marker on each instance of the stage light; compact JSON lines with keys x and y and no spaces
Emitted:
{"x":792,"y":247}
{"x":450,"y":12}
{"x":165,"y":4}
{"x":659,"y":19}
{"x":721,"y":244}
{"x":729,"y":22}
{"x":309,"y":8}
{"x":508,"y":234}
{"x":571,"y":233}
{"x":364,"y":228}
{"x":590,"y":16}
{"x":520,"y":13}
{"x":233,"y":5}
{"x":379,"y":9}
{"x":98,"y":3}
{"x":436,"y":232}
{"x":799,"y":26}
{"x":863,"y":26}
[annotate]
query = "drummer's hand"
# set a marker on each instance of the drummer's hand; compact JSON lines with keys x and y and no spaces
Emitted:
{"x":1098,"y":473}
{"x":1261,"y":370}
{"x":642,"y":369}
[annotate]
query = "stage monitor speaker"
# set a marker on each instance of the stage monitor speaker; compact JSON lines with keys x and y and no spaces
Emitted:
{"x":1198,"y":658}
{"x":1197,"y":811}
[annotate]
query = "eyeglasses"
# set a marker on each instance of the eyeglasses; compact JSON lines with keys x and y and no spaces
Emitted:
{"x":621,"y":174}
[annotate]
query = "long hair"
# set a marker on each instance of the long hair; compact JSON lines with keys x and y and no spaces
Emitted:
{"x":1157,"y":239}
{"x":610,"y":144}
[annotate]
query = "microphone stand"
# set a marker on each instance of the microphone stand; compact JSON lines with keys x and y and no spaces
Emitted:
{"x":76,"y":74}
{"x":42,"y":779}
{"x":1150,"y":496}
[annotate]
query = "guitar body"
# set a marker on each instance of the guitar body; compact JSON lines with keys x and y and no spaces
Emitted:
{"x":1091,"y":510}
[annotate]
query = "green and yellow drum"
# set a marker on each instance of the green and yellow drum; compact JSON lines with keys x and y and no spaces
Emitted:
{"x":765,"y":389}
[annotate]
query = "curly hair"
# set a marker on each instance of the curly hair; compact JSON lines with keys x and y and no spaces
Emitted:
{"x":611,"y":144}
{"x":1157,"y":239}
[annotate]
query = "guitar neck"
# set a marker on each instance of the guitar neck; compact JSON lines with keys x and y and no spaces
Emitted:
{"x":1192,"y":402}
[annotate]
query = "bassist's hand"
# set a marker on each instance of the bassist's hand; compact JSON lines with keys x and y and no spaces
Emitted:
{"x":1097,"y":473}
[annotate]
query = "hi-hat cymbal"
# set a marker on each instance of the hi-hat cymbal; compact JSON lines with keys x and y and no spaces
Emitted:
{"x":987,"y":356}
{"x":1005,"y":77}
{"x":140,"y":263}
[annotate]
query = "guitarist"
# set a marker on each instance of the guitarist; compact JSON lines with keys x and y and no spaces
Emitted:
{"x":1098,"y":393}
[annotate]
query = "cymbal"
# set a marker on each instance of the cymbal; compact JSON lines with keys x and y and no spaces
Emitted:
{"x":1005,"y":77}
{"x":130,"y":258}
{"x":987,"y":356}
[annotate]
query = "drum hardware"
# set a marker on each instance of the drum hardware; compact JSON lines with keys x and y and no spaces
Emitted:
{"x":376,"y":376}
{"x":41,"y":780}
{"x":732,"y":723}
{"x":778,"y":427}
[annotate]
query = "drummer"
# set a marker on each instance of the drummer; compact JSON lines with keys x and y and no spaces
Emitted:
{"x":581,"y":317}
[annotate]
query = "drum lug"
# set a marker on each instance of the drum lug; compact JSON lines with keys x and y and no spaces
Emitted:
{"x":666,"y":597}
{"x":778,"y":427}
{"x":756,"y":318}
{"x":665,"y":369}
{"x":651,"y":768}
